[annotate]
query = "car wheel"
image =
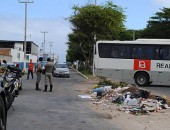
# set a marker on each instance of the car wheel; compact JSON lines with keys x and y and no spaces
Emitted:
{"x":2,"y":115}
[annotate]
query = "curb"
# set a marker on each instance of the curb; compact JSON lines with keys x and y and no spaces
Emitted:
{"x":80,"y":73}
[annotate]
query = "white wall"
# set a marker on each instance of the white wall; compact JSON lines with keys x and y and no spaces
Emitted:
{"x":7,"y":58}
{"x":18,"y":46}
{"x":17,"y":56}
{"x":33,"y":57}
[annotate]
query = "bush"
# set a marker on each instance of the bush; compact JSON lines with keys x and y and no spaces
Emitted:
{"x":105,"y":82}
{"x":85,"y":70}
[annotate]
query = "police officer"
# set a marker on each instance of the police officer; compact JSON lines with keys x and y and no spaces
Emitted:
{"x":49,"y":66}
{"x":38,"y":73}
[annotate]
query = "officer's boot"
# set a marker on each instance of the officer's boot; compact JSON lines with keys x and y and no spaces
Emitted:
{"x":51,"y":87}
{"x":37,"y":87}
{"x":45,"y":90}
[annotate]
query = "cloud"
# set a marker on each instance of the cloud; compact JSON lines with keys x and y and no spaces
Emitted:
{"x":164,"y":3}
{"x":57,"y":29}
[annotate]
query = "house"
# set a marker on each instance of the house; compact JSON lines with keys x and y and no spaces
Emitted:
{"x":13,"y":51}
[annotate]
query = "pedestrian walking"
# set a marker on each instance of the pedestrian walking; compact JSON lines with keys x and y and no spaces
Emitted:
{"x":49,"y":66}
{"x":39,"y":73}
{"x":30,"y":69}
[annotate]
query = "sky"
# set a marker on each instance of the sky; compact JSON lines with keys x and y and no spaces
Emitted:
{"x":50,"y":16}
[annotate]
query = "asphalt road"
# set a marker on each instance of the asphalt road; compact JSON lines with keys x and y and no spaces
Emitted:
{"x":159,"y":90}
{"x":60,"y":110}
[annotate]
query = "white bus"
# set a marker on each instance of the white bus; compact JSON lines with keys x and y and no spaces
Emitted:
{"x":144,"y":61}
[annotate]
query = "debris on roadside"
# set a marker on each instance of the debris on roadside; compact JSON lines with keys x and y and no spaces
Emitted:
{"x":128,"y":98}
{"x":85,"y":96}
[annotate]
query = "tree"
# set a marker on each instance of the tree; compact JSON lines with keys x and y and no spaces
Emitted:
{"x":103,"y":22}
{"x":158,"y":25}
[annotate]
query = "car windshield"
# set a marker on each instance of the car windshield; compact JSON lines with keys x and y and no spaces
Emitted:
{"x":61,"y":66}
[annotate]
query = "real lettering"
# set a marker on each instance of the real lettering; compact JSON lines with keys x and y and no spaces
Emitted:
{"x":162,"y":65}
{"x":158,"y":65}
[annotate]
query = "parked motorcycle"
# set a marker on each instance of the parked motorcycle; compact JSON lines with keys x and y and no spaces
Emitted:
{"x":3,"y":109}
{"x":10,"y":82}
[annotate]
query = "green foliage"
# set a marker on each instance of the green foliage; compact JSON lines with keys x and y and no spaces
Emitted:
{"x":86,"y":70}
{"x":121,"y":84}
{"x":158,"y":25}
{"x":105,"y":82}
{"x":105,"y":22}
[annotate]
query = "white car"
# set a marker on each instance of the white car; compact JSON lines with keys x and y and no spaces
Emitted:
{"x":61,"y":69}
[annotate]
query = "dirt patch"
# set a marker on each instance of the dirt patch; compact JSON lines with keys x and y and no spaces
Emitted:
{"x":153,"y":121}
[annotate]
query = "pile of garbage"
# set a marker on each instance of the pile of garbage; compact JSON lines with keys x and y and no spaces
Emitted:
{"x":130,"y":99}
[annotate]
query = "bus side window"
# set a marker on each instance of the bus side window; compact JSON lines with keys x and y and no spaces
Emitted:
{"x":150,"y":52}
{"x":157,"y":56}
{"x":158,"y":53}
{"x":140,"y":52}
{"x":134,"y":52}
{"x":122,"y":52}
{"x":166,"y":53}
{"x":115,"y":52}
{"x":104,"y":51}
{"x":125,"y":52}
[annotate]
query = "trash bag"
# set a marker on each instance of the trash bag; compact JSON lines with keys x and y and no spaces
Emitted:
{"x":141,"y":93}
{"x":120,"y":99}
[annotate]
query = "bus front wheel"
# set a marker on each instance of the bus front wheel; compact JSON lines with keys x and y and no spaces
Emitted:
{"x":142,"y":79}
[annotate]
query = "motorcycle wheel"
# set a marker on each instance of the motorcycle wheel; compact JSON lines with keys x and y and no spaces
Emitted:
{"x":9,"y":100}
{"x":3,"y":116}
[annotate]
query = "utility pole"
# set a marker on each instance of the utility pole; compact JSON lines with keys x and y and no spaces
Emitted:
{"x":95,"y":2}
{"x":25,"y":35}
{"x":50,"y":47}
{"x":44,"y":42}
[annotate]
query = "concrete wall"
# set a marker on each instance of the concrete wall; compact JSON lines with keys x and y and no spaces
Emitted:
{"x":17,"y":56}
{"x":34,"y":49}
{"x":18,"y":46}
{"x":5,"y":57}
